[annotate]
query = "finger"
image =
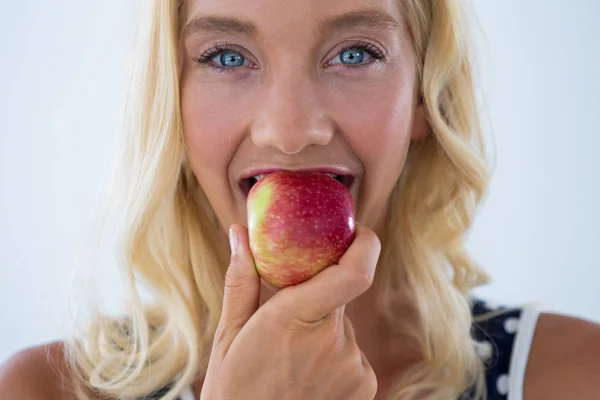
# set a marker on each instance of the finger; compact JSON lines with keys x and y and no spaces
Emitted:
{"x":336,"y":285}
{"x":349,"y":331}
{"x":242,"y":285}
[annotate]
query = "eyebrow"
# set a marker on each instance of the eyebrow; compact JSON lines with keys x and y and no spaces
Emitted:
{"x":369,"y":18}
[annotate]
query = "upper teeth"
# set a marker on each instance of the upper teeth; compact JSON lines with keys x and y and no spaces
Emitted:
{"x":259,"y":177}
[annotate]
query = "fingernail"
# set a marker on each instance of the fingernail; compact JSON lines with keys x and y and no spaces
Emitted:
{"x":233,"y":240}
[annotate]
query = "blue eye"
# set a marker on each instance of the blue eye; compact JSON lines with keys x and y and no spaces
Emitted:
{"x":230,"y":59}
{"x":352,"y":56}
{"x":227,"y":59}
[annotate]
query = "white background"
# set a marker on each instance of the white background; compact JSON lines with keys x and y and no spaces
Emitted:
{"x":61,"y":81}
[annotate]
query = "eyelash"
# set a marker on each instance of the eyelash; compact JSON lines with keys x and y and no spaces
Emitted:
{"x":205,"y":60}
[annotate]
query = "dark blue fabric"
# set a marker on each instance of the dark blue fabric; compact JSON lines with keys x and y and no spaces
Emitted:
{"x":498,"y":333}
{"x":157,"y":394}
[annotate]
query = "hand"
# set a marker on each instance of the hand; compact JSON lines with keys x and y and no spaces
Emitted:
{"x":299,"y":344}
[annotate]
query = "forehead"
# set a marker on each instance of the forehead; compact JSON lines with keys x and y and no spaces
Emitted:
{"x":265,"y":18}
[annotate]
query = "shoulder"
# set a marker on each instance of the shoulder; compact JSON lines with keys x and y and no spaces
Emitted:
{"x":36,"y":373}
{"x":564,"y":361}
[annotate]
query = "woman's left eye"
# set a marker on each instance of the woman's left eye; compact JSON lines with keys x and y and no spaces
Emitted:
{"x":227,"y":59}
{"x":354,"y":56}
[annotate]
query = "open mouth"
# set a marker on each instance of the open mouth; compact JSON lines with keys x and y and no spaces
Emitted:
{"x":247,"y":183}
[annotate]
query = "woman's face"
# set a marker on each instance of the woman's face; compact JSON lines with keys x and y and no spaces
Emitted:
{"x":311,"y":84}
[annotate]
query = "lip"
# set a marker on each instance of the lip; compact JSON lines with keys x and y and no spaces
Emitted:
{"x":347,"y":177}
{"x":267,"y":170}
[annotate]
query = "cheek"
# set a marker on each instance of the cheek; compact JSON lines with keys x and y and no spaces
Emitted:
{"x":375,"y":117}
{"x":212,"y":136}
{"x":207,"y":129}
{"x":376,"y":122}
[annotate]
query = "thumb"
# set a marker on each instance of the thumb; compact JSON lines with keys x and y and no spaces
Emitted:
{"x":242,"y":284}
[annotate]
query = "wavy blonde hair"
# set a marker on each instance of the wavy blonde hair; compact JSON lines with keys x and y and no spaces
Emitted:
{"x":170,"y":240}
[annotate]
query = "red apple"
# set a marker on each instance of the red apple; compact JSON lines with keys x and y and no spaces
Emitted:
{"x":298,"y":224}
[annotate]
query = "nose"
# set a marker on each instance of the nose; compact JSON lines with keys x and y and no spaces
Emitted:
{"x":291,"y":117}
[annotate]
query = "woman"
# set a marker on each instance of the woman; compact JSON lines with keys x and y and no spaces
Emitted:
{"x":378,"y":93}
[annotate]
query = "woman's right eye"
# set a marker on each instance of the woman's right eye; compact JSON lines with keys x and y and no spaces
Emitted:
{"x":222,"y":58}
{"x":229,"y":59}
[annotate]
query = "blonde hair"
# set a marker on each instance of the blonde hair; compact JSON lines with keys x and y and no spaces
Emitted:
{"x":171,"y":241}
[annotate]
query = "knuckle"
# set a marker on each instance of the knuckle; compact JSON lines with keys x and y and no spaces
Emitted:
{"x":349,"y":329}
{"x":362,"y":278}
{"x":375,"y":242}
{"x":231,"y":280}
{"x":366,"y":380}
{"x":362,"y":375}
{"x":358,"y":359}
{"x":336,"y":330}
{"x":219,"y":342}
{"x":292,"y":322}
{"x":370,"y":238}
{"x":295,"y":314}
{"x":278,"y":317}
{"x":369,"y":384}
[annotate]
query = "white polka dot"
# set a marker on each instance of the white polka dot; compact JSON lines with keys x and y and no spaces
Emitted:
{"x":511,"y":325}
{"x":491,"y":305}
{"x":484,"y":350}
{"x":502,"y":384}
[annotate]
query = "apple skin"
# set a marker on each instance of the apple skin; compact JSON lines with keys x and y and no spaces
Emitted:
{"x":298,"y":224}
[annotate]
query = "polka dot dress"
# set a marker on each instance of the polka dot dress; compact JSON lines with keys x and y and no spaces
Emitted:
{"x":496,"y":331}
{"x":158,"y":394}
